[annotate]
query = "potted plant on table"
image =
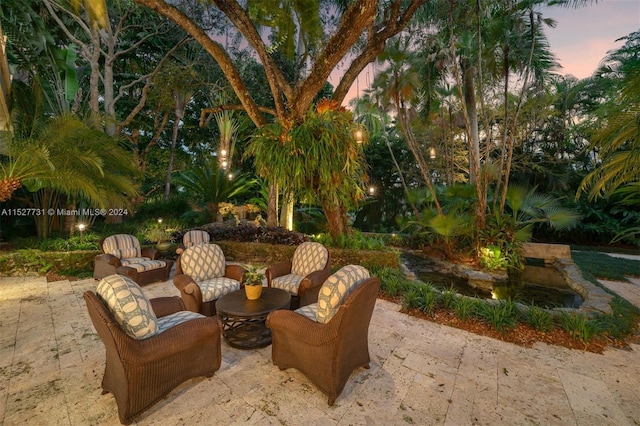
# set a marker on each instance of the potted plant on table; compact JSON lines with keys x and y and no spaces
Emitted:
{"x":253,"y":279}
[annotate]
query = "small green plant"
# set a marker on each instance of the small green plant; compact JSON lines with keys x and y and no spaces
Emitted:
{"x":491,"y":258}
{"x":464,"y":307}
{"x":253,"y":276}
{"x":578,"y":326}
{"x":448,"y":298}
{"x":429,"y":300}
{"x":412,"y":298}
{"x":501,"y":316}
{"x":539,"y":319}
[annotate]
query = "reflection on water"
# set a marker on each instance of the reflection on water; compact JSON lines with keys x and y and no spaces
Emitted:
{"x":536,"y":285}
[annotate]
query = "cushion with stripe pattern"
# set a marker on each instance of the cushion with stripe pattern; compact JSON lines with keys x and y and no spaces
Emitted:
{"x":195,"y":237}
{"x":122,"y":246}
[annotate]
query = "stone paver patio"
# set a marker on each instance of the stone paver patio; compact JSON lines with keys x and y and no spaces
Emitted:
{"x":51,"y":365}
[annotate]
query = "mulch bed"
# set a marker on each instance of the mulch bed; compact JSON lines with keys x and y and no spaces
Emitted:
{"x":522,"y":334}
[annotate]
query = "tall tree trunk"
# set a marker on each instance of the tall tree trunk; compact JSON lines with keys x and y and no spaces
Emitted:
{"x":272,"y":206}
{"x":472,"y":112}
{"x":336,"y":218}
{"x":181,"y":105}
{"x":286,"y":211}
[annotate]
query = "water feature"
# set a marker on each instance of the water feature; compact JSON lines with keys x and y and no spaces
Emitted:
{"x":536,"y":285}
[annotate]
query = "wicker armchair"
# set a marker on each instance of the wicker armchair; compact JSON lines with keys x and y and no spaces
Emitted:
{"x":192,"y":238}
{"x":304,"y":275}
{"x":327,"y":341}
{"x":140,"y":372}
{"x":202,"y":276}
{"x":122,"y":254}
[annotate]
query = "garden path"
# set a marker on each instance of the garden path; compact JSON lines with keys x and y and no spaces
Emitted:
{"x":51,"y":365}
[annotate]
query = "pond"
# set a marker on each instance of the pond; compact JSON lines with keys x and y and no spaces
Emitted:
{"x":536,"y":285}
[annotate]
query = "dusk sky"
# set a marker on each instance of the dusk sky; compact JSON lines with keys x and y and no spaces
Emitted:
{"x":583,"y":36}
{"x":580,"y":40}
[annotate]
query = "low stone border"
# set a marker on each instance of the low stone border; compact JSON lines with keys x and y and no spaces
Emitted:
{"x":595,"y":299}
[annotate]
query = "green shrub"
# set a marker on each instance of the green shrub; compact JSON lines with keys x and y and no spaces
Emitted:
{"x":429,"y":300}
{"x":412,"y":297}
{"x":578,"y":326}
{"x":354,"y":241}
{"x":464,"y":307}
{"x":501,"y":316}
{"x":539,"y":319}
{"x":448,"y":298}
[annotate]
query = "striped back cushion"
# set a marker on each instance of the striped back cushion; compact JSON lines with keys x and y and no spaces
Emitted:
{"x":129,"y":306}
{"x":195,"y":237}
{"x":309,"y":257}
{"x":336,"y":289}
{"x":122,"y":246}
{"x":203,"y":262}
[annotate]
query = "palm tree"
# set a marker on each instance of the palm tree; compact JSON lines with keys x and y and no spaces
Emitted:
{"x":209,"y":186}
{"x":401,"y":83}
{"x":64,"y":156}
{"x":618,"y":140}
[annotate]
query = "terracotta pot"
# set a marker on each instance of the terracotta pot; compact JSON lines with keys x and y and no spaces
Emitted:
{"x":253,"y":292}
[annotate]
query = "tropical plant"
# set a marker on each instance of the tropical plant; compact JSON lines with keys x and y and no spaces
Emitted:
{"x":539,"y":319}
{"x":618,"y":139}
{"x":209,"y":186}
{"x":301,"y":158}
{"x":253,"y":276}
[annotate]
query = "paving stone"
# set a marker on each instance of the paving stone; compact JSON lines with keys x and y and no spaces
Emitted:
{"x":52,"y":362}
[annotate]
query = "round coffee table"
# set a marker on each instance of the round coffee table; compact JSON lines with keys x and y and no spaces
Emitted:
{"x":243,"y":320}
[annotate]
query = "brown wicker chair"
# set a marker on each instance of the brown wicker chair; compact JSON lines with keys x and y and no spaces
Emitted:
{"x":123,"y":255}
{"x":327,"y":353}
{"x":141,"y":372}
{"x":202,"y":276}
{"x":303,"y":275}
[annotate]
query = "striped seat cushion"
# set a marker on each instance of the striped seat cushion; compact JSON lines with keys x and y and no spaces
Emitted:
{"x":122,"y":246}
{"x":146,"y":265}
{"x":195,"y":237}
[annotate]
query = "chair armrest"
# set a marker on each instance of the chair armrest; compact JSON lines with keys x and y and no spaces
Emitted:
{"x":109,"y":258}
{"x":163,"y":306}
{"x":310,"y":286}
{"x":300,"y":328}
{"x":277,"y":270}
{"x":149,"y":252}
{"x":189,"y":291}
{"x":174,"y":340}
{"x":235,"y":272}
